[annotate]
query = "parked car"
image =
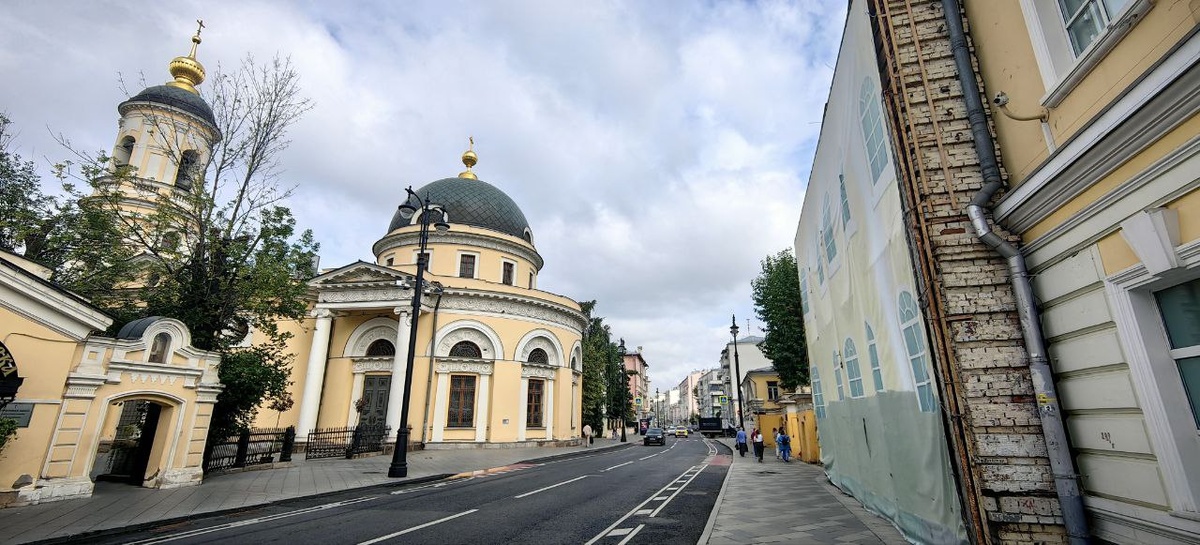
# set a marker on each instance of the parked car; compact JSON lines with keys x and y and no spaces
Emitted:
{"x":654,"y":435}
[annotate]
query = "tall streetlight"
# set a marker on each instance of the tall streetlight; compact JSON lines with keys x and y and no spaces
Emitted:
{"x":412,"y":205}
{"x":624,"y":404}
{"x":737,"y":371}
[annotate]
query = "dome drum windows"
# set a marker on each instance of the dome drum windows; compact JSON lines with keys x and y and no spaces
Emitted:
{"x":188,"y":171}
{"x":123,"y":153}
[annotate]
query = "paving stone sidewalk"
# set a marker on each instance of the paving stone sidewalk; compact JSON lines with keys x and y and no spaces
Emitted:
{"x":793,"y":502}
{"x":114,"y":505}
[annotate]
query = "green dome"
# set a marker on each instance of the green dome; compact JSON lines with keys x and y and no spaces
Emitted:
{"x":472,"y":202}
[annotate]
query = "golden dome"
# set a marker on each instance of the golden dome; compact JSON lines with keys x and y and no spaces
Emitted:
{"x":187,"y":71}
{"x":469,"y":158}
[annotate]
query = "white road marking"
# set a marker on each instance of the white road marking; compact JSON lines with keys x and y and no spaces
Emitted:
{"x":631,"y":534}
{"x":415,"y":528}
{"x":640,"y":509}
{"x":249,"y":522}
{"x":676,"y":493}
{"x":616,"y":466}
{"x":551,"y":486}
{"x":620,"y":532}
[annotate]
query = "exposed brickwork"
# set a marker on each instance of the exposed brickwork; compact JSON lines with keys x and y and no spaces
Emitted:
{"x":967,"y":296}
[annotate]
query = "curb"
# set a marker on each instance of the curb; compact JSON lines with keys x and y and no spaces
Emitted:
{"x":575,"y":454}
{"x":75,"y":538}
{"x":712,"y":517}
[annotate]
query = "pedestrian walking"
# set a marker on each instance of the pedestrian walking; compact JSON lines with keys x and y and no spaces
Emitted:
{"x":587,"y":435}
{"x":785,"y":446}
{"x":756,"y":437}
{"x":740,"y":440}
{"x":775,"y":435}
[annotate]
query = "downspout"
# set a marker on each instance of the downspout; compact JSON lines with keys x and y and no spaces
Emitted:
{"x":1066,"y":481}
{"x":432,"y":356}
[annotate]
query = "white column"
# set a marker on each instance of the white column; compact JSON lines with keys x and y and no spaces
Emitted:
{"x":441,"y":404}
{"x":314,"y":378}
{"x":482,"y":404}
{"x":522,"y":408}
{"x":399,"y":363}
{"x":548,"y":418}
{"x":355,"y":393}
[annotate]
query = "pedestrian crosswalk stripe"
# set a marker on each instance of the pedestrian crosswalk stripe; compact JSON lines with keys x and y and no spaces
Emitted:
{"x":620,"y":532}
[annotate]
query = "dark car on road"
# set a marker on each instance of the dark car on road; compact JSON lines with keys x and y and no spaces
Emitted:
{"x":654,"y":435}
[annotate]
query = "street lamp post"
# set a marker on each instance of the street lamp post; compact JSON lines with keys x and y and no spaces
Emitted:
{"x":399,"y":466}
{"x":737,"y":372}
{"x":624,"y":405}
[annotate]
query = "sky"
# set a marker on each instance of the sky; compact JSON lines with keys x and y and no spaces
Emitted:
{"x":658,"y":149}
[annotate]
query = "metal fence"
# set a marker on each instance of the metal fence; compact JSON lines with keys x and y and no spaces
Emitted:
{"x":347,"y":442}
{"x":256,"y":446}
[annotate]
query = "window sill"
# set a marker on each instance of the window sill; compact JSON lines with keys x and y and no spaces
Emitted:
{"x":1096,"y":52}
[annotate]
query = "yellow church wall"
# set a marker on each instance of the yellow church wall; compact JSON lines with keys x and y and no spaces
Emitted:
{"x":1007,"y":63}
{"x":153,"y":157}
{"x":1165,"y":145}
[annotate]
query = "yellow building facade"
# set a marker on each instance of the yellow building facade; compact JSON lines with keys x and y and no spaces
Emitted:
{"x":1103,"y":191}
{"x":134,"y":408}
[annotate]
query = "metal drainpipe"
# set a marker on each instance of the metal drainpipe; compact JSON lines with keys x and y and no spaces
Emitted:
{"x":426,"y":426}
{"x":1061,"y":465}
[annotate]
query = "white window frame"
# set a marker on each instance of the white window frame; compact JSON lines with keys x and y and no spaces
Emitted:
{"x":458,"y":264}
{"x":845,"y":212}
{"x":1155,"y":374}
{"x":417,"y":253}
{"x":865,"y":106}
{"x":828,"y":237}
{"x":504,"y":261}
{"x":922,"y":351}
{"x":805,"y":303}
{"x":850,"y":353}
{"x":818,"y":396}
{"x":1061,"y":69}
{"x":837,"y":376}
{"x":873,"y":354}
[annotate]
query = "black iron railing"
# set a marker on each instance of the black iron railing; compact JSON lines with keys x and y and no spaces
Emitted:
{"x":347,"y":442}
{"x":256,"y":446}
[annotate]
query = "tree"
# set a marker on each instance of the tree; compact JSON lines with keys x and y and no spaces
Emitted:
{"x":221,"y":255}
{"x":596,"y":337}
{"x":777,"y":303}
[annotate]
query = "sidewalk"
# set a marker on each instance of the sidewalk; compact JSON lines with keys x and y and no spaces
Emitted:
{"x":776,"y":502}
{"x":114,"y":505}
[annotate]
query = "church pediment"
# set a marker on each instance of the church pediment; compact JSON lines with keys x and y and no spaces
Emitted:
{"x":360,"y":274}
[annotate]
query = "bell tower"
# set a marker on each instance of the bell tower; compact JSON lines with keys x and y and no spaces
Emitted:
{"x":165,"y":135}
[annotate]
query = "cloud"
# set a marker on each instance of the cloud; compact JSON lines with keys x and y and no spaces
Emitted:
{"x":659,"y":149}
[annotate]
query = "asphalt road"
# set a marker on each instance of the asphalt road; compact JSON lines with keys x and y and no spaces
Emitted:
{"x":640,"y":494}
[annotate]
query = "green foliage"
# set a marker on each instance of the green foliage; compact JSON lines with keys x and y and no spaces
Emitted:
{"x":8,"y":431}
{"x":777,"y":303}
{"x":252,"y":376}
{"x":606,"y":386}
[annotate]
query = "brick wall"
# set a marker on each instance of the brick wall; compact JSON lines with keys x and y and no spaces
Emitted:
{"x":984,"y":382}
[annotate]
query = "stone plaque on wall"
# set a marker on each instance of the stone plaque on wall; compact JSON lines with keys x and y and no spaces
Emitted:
{"x":21,"y":412}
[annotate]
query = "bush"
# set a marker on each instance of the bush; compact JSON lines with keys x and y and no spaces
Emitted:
{"x":8,"y":432}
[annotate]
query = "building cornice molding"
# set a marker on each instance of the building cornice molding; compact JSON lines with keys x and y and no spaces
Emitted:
{"x":410,"y":239}
{"x":530,"y":307}
{"x":66,"y":315}
{"x":1162,"y":100}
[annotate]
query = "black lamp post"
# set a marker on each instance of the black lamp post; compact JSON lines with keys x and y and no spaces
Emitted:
{"x":399,"y":467}
{"x":737,"y":372}
{"x":624,"y":405}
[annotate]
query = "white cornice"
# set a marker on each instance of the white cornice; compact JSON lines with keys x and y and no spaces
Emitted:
{"x":409,"y":239}
{"x":1166,"y":96}
{"x":29,"y":296}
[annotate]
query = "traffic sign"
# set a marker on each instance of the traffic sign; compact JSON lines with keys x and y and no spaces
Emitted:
{"x":637,"y":400}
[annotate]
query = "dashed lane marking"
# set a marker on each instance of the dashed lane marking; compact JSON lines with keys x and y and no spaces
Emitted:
{"x":415,"y":528}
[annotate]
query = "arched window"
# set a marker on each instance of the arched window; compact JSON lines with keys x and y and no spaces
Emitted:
{"x":837,"y":377}
{"x":803,"y":290}
{"x":873,"y":353}
{"x":160,"y":347}
{"x":818,"y":397}
{"x":465,"y":349}
{"x":853,"y":373}
{"x":829,"y":243}
{"x":914,"y":346}
{"x":574,"y":363}
{"x":845,"y":201}
{"x":537,"y":355}
{"x":123,"y":153}
{"x":381,"y":348}
{"x":185,"y":176}
{"x":872,"y":126}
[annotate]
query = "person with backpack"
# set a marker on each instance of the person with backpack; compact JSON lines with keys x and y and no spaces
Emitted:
{"x":785,"y":445}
